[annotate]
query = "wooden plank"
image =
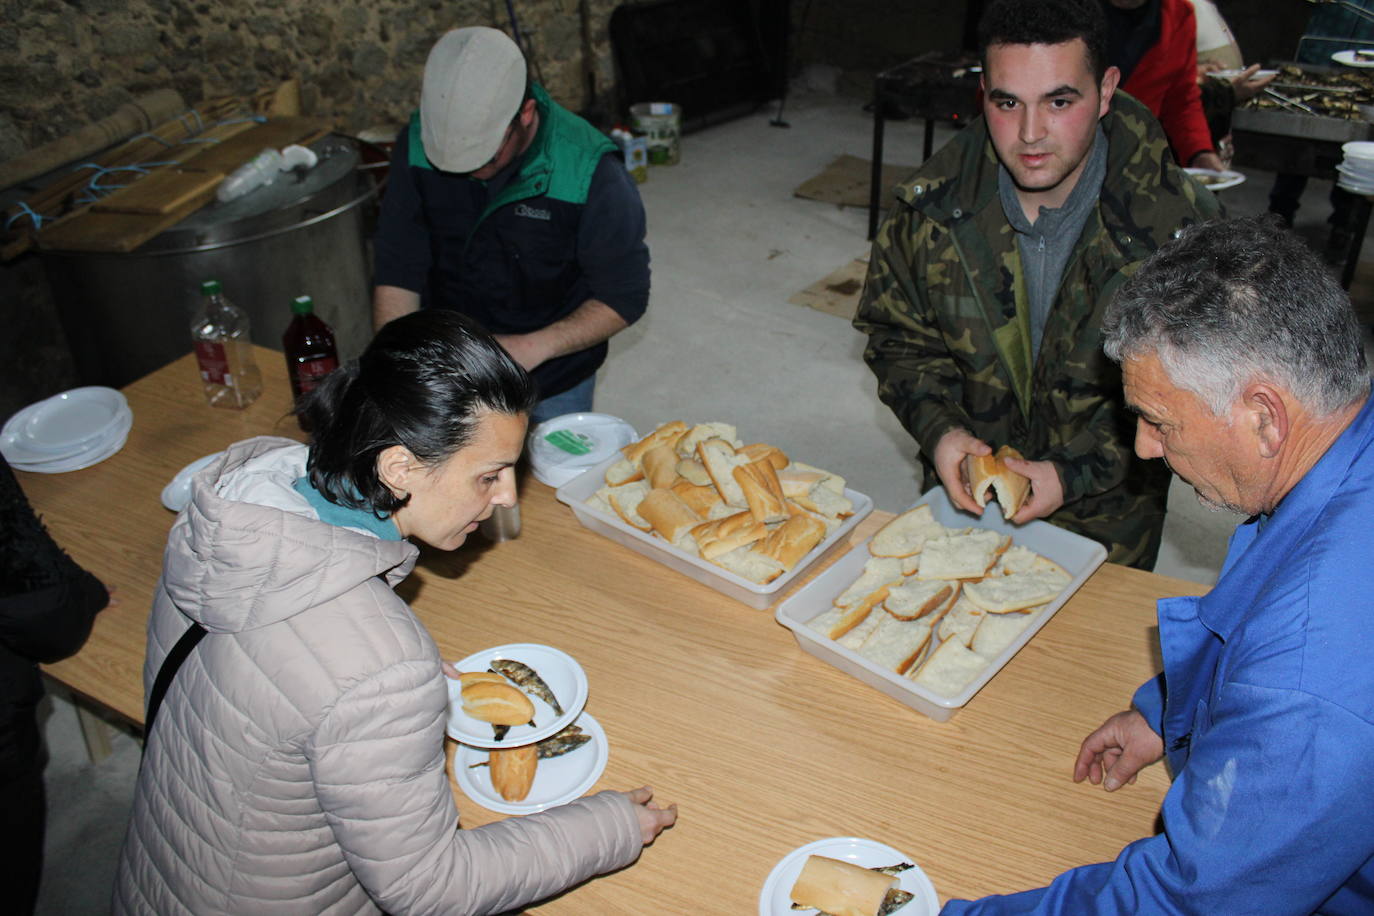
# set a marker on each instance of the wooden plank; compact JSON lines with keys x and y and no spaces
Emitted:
{"x":105,"y":229}
{"x":235,"y":151}
{"x":162,"y":192}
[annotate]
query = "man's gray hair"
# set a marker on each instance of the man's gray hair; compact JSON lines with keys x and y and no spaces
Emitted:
{"x":1234,"y":300}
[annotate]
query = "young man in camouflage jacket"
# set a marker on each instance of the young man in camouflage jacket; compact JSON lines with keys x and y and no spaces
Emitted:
{"x":987,"y":283}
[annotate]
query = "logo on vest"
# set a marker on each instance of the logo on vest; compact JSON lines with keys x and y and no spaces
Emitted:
{"x":532,"y":213}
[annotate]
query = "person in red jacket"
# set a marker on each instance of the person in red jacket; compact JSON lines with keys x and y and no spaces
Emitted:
{"x":1154,"y":44}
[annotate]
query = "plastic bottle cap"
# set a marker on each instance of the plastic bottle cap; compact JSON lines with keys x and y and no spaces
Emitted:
{"x":210,"y":288}
{"x":302,"y":305}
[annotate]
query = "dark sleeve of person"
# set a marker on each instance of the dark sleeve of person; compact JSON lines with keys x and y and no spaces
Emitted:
{"x":47,"y":602}
{"x":401,"y":244}
{"x":1218,"y":101}
{"x":610,"y":241}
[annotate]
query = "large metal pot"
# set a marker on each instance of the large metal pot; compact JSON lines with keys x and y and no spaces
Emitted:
{"x":127,"y":314}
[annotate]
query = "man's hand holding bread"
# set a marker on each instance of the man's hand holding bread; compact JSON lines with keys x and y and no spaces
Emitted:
{"x":952,"y":459}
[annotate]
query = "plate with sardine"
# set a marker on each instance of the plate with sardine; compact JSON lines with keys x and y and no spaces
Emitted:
{"x":512,"y":695}
{"x":569,"y":763}
{"x":911,"y":895}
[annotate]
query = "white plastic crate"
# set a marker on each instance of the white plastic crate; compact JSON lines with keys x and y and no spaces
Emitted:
{"x":1079,"y":556}
{"x":577,"y":491}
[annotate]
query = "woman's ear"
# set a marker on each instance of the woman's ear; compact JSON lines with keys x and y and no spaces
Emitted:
{"x":395,"y":465}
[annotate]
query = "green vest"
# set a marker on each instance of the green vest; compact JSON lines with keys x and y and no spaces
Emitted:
{"x":559,"y":163}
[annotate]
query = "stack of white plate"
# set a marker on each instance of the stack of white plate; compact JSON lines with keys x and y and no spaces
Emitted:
{"x":1356,"y":170}
{"x":68,"y":431}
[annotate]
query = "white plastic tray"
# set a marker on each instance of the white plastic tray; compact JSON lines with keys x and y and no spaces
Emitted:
{"x":1079,"y":556}
{"x":577,"y":491}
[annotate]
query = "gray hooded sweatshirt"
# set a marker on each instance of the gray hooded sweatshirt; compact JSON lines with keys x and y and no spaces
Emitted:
{"x":297,"y":763}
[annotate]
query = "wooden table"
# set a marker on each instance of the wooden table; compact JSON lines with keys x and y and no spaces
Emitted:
{"x":763,"y":746}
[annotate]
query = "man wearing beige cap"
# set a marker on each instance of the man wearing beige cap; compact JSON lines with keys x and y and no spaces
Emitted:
{"x":505,"y":206}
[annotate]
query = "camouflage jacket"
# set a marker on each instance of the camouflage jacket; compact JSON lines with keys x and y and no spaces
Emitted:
{"x":951,"y":349}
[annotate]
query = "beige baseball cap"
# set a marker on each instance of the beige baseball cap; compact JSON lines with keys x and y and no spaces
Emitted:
{"x":474,"y":83}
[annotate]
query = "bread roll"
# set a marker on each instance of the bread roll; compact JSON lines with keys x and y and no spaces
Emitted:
{"x":499,"y":704}
{"x":701,"y":499}
{"x":1017,"y":591}
{"x":990,"y":473}
{"x":473,"y":677}
{"x":841,"y":888}
{"x":660,"y":467}
{"x":950,"y":668}
{"x":726,"y":534}
{"x":757,"y":450}
{"x":693,"y":471}
{"x":825,"y":501}
{"x":512,"y":771}
{"x":747,"y":563}
{"x":625,"y":501}
{"x":962,"y":556}
{"x":792,"y":540}
{"x":915,"y":598}
{"x":720,"y":460}
{"x":798,"y":483}
{"x":906,"y":534}
{"x":668,"y":434}
{"x":622,"y":472}
{"x":762,"y":492}
{"x":895,"y":644}
{"x":687,"y":445}
{"x":668,"y":514}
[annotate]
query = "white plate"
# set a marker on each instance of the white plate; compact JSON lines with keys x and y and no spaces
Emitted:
{"x":1348,"y":58}
{"x":1359,"y":169}
{"x":18,"y":449}
{"x":1220,"y":180}
{"x":557,"y":781}
{"x":177,"y":493}
{"x":776,"y":897}
{"x":1355,"y":187}
{"x":96,"y":453}
{"x":68,"y":422}
{"x":1232,"y":74}
{"x":604,"y":436}
{"x":559,"y":671}
{"x":1358,"y":153}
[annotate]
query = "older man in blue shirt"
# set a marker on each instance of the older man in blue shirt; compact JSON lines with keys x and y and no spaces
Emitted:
{"x":1245,"y":366}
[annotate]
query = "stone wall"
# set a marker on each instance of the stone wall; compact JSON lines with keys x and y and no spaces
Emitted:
{"x":66,"y":63}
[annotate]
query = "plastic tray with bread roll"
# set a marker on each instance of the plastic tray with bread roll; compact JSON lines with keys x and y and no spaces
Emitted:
{"x":576,"y":492}
{"x":1078,"y":556}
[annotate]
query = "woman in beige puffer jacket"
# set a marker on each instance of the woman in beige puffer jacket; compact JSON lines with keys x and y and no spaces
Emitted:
{"x":296,"y":765}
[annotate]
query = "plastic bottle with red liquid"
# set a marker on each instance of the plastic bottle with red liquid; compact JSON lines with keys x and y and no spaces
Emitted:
{"x":309,"y":345}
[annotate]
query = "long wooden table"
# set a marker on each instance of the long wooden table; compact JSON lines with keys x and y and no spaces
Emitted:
{"x":763,"y":747}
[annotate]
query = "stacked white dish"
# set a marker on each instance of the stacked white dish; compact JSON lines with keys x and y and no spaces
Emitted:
{"x":68,"y":431}
{"x":560,"y":778}
{"x":1356,"y":170}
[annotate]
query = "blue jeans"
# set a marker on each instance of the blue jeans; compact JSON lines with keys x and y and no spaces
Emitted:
{"x":577,"y":399}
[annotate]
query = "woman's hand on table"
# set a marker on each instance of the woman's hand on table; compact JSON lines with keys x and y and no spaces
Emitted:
{"x":653,"y":820}
{"x":1117,"y":751}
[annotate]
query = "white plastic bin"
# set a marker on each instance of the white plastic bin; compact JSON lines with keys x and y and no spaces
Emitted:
{"x":1079,"y":556}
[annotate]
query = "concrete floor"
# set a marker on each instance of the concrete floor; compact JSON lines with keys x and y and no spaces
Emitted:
{"x":730,"y":244}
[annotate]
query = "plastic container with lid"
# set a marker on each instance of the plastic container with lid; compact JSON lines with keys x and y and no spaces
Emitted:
{"x":562,"y":448}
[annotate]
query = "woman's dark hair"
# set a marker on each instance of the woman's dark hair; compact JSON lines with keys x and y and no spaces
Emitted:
{"x":423,"y":382}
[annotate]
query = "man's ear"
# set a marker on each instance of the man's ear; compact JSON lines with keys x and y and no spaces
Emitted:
{"x":1268,"y":413}
{"x":1110,"y":80}
{"x":395,"y":465}
{"x":527,"y":110}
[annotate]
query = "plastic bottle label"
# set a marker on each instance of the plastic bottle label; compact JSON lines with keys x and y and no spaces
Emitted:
{"x":214,"y":362}
{"x":309,"y":373}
